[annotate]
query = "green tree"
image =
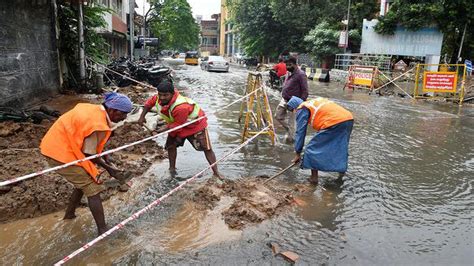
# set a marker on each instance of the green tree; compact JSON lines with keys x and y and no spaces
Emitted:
{"x":260,"y":33}
{"x":276,"y":25}
{"x":95,"y":45}
{"x":449,"y":16}
{"x":175,"y":26}
{"x":322,"y":41}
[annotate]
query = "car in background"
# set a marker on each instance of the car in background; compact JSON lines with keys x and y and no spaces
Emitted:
{"x":182,"y":55}
{"x":214,"y":63}
{"x":249,"y":61}
{"x":191,"y":58}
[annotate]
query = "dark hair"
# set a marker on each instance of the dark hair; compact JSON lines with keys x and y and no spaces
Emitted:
{"x":280,"y":60}
{"x":291,"y":59}
{"x":166,"y":85}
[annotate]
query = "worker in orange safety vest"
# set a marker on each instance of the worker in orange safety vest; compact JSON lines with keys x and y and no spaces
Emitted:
{"x":79,"y":133}
{"x":328,"y":149}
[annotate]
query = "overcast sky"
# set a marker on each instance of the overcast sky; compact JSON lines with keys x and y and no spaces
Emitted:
{"x":200,"y":7}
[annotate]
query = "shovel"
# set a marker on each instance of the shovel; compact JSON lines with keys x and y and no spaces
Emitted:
{"x":279,"y":173}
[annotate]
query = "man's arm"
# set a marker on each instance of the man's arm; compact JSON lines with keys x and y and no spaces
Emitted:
{"x":142,"y":119}
{"x":89,"y":147}
{"x":302,"y":117}
{"x":146,"y":108}
{"x":114,"y":172}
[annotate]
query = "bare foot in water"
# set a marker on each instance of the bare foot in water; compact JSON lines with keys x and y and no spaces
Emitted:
{"x":313,"y":181}
{"x":102,"y":230}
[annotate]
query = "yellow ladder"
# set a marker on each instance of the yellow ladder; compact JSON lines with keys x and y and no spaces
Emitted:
{"x":258,"y":113}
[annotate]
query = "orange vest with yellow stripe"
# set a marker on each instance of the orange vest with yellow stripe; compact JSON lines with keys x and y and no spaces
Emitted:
{"x":64,"y":140}
{"x":325,"y":113}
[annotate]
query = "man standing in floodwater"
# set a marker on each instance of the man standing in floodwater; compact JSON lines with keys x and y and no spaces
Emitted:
{"x":296,"y":84}
{"x":328,"y":149}
{"x":79,"y":133}
{"x":177,"y":110}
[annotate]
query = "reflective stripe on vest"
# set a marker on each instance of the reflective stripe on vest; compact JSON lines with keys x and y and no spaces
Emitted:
{"x":179,"y":100}
{"x":314,"y":105}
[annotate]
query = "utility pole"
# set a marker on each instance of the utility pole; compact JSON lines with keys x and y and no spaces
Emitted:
{"x":132,"y":27}
{"x":462,"y":41}
{"x":80,"y":31}
{"x":143,"y":33}
{"x":347,"y":27}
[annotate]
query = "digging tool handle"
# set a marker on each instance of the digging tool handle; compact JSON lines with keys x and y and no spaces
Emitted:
{"x":279,"y":173}
{"x":148,"y":129}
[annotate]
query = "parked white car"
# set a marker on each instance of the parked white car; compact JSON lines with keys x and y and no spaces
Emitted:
{"x":214,"y":63}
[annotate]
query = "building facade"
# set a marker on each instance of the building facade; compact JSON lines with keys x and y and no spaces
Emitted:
{"x":210,"y":31}
{"x":116,"y":31}
{"x":229,"y":38}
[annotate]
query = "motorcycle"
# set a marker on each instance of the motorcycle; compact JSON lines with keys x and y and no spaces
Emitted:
{"x":157,"y":73}
{"x":276,"y":82}
{"x":36,"y":115}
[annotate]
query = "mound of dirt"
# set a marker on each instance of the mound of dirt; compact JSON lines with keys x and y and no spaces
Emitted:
{"x":135,"y":159}
{"x":253,"y":201}
{"x":138,"y":94}
{"x":22,"y":135}
{"x":50,"y":192}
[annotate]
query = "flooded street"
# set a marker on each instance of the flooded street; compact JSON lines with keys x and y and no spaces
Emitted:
{"x":407,"y":197}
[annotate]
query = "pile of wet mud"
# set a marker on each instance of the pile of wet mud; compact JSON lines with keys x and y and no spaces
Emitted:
{"x":139,"y":157}
{"x":252,"y":201}
{"x":20,"y":155}
{"x":19,"y":150}
{"x":22,"y":135}
{"x":137,"y":93}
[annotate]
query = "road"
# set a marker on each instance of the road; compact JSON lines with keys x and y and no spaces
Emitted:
{"x":407,"y":197}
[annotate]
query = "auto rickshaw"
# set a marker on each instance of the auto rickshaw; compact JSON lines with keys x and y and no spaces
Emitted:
{"x":191,"y":58}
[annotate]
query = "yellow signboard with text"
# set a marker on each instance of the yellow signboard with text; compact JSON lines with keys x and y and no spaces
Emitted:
{"x":361,"y":77}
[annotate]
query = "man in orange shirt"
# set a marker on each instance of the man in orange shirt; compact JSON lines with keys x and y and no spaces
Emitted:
{"x":79,"y":133}
{"x":278,"y":71}
{"x":176,"y":110}
{"x":328,"y":149}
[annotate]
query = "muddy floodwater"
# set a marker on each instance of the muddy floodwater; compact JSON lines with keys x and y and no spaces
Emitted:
{"x":407,"y":197}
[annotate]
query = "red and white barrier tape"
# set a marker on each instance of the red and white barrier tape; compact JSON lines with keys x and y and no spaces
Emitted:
{"x":154,"y":203}
{"x":28,"y":176}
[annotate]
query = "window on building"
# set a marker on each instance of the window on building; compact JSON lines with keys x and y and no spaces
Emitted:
{"x":214,"y":41}
{"x":117,"y":6}
{"x":105,"y":3}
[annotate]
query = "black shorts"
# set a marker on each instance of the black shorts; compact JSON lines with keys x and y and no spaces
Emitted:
{"x":200,"y":141}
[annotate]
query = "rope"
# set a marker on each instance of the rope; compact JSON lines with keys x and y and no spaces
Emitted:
{"x":28,"y":176}
{"x":153,"y":204}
